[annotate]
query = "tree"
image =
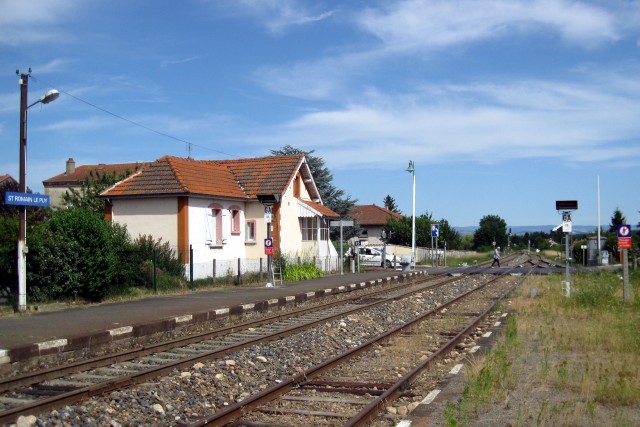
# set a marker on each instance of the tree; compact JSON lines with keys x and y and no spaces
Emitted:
{"x":87,"y":196}
{"x":402,"y":230}
{"x":9,"y":225}
{"x":616,"y":220}
{"x":492,"y":229}
{"x":450,"y":235}
{"x":9,"y":185}
{"x":74,"y":252}
{"x":390,"y":203}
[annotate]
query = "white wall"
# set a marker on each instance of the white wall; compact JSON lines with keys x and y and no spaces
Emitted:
{"x":291,"y":236}
{"x":155,"y":217}
{"x":233,"y":246}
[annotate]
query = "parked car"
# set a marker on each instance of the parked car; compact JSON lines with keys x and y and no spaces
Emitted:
{"x":373,"y":256}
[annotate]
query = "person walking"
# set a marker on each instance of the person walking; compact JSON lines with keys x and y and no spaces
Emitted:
{"x":496,"y":256}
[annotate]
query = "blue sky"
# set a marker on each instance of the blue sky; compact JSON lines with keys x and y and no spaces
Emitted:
{"x":505,"y":106}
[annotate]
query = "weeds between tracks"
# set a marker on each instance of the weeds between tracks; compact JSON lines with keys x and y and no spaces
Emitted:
{"x":562,"y":361}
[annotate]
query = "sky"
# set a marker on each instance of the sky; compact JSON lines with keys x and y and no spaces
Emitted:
{"x":504,"y":106}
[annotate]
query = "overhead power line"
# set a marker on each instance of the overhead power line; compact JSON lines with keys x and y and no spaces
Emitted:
{"x":189,"y":145}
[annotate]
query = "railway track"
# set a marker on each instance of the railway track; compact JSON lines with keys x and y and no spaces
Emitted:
{"x":353,"y":388}
{"x":40,"y":391}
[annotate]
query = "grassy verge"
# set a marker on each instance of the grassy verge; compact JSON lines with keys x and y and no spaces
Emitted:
{"x":562,"y":361}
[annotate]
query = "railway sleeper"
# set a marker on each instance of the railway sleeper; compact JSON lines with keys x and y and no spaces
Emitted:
{"x":137,"y":366}
{"x":346,"y":401}
{"x":322,"y":414}
{"x":71,"y":383}
{"x":13,"y":401}
{"x":179,"y":355}
{"x":155,"y":360}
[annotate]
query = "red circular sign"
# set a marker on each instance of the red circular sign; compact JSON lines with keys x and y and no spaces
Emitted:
{"x":624,"y":231}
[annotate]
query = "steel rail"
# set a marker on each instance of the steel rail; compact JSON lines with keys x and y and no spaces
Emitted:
{"x":29,"y":378}
{"x":237,"y":410}
{"x":69,"y":397}
{"x":371,"y":411}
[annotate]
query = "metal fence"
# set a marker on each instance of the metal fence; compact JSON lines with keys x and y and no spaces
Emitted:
{"x":239,"y":267}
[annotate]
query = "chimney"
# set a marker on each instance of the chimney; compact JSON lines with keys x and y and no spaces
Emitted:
{"x":71,"y":166}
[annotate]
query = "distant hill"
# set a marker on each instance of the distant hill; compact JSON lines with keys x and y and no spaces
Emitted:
{"x":522,"y":229}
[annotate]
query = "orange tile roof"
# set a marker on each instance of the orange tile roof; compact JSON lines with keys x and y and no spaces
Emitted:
{"x":242,"y":178}
{"x":4,"y":179}
{"x":83,"y":173}
{"x":264,"y":175}
{"x":372,"y":214}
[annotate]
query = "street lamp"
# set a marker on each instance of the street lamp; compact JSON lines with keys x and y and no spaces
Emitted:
{"x":50,"y":96}
{"x":411,"y":169}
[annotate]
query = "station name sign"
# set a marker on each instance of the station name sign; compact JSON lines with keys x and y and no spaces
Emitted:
{"x":26,"y":199}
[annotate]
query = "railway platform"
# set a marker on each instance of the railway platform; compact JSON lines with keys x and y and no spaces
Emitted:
{"x":34,"y":334}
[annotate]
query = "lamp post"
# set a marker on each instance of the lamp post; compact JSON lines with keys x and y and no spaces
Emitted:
{"x":411,"y":169}
{"x":52,"y":95}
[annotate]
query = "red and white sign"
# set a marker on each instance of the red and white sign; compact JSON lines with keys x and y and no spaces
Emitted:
{"x":268,"y":246}
{"x":624,"y":243}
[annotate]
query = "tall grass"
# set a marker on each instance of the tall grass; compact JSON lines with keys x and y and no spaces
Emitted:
{"x":566,"y":361}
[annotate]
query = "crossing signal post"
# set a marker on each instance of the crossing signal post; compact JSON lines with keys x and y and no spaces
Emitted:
{"x":566,"y":207}
{"x":435,"y":233}
{"x":269,"y":200}
{"x":624,"y":244}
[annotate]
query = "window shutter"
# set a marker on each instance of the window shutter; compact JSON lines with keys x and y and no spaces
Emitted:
{"x":208,"y":226}
{"x":224,"y":226}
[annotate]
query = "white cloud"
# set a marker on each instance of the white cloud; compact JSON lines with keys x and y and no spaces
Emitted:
{"x":278,"y":16}
{"x":168,"y":62}
{"x":428,"y":24}
{"x":35,"y":20}
{"x":481,"y":123}
{"x":319,"y":79}
{"x":406,"y":29}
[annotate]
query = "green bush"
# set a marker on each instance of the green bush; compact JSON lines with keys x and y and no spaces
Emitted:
{"x":8,"y":251}
{"x":74,"y":252}
{"x":167,"y":259}
{"x":304,"y":271}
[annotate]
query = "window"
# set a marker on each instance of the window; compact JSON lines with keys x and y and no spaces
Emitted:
{"x":324,"y":230}
{"x":214,"y":226}
{"x":309,"y":228}
{"x":250,"y":231}
{"x":235,"y":219}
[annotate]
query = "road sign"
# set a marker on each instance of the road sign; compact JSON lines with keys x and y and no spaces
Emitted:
{"x":341,"y":223}
{"x":435,"y":230}
{"x":566,"y":222}
{"x":26,"y":199}
{"x":624,"y":230}
{"x":624,"y":243}
{"x":268,"y":246}
{"x":268,"y":212}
